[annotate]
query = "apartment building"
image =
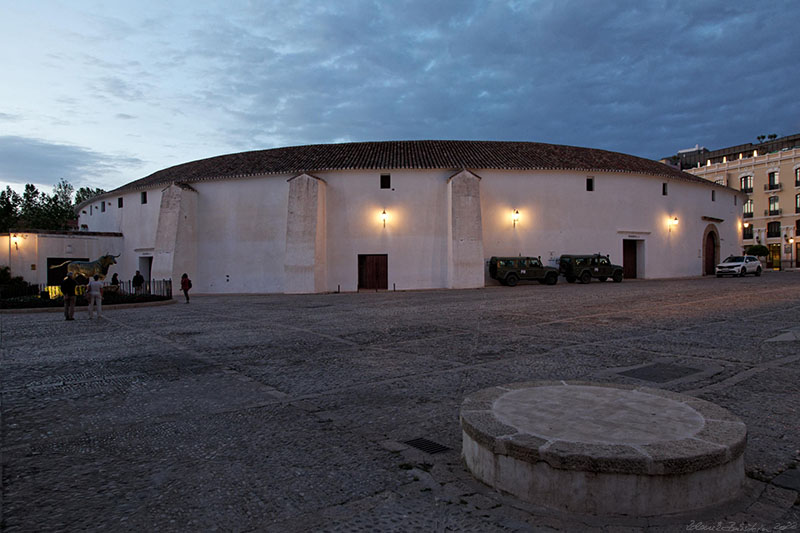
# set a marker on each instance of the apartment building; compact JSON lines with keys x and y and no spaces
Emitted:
{"x":769,"y":174}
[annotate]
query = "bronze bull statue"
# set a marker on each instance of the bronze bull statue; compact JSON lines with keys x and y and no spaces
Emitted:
{"x":89,"y":269}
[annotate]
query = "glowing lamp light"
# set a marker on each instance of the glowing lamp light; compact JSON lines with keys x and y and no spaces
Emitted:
{"x":15,"y":241}
{"x":672,"y":222}
{"x":384,"y":216}
{"x":746,"y":224}
{"x":515,"y":217}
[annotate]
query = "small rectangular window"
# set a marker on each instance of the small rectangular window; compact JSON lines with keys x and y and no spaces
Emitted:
{"x":773,"y":180}
{"x":102,"y":207}
{"x":747,"y":210}
{"x":386,"y":181}
{"x":90,"y":210}
{"x":590,"y":183}
{"x":735,"y":200}
{"x":663,"y":189}
{"x":713,"y":196}
{"x":774,"y":229}
{"x":144,"y":197}
{"x":119,"y":202}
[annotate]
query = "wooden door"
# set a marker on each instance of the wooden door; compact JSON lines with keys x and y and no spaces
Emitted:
{"x":774,"y":257}
{"x":373,"y":272}
{"x":629,"y":258}
{"x":710,"y":253}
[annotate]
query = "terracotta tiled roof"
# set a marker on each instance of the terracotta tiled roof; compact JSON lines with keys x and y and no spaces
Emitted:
{"x":389,"y":155}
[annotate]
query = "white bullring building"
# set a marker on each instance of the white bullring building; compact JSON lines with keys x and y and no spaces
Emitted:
{"x":408,"y":215}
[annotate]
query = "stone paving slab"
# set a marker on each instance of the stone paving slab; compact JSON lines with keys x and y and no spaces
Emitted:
{"x":289,"y":413}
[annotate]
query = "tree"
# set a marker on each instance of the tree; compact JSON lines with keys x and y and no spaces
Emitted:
{"x":85,"y":193}
{"x":31,"y":210}
{"x":37,"y":210}
{"x":758,"y":250}
{"x":58,"y":208}
{"x":9,"y":209}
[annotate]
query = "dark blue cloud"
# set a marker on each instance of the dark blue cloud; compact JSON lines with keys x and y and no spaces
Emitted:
{"x":646,"y":78}
{"x":26,"y":160}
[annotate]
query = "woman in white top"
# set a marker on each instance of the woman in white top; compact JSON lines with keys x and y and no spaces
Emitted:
{"x":94,"y":291}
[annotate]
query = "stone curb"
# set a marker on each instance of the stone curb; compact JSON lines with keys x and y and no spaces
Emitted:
{"x":105,"y":306}
{"x":721,"y":440}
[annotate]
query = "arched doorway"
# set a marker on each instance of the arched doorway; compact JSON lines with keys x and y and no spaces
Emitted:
{"x":710,"y":250}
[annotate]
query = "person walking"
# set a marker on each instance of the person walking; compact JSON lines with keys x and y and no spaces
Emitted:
{"x":94,"y":290}
{"x":68,"y":285}
{"x":186,"y":284}
{"x":138,"y":281}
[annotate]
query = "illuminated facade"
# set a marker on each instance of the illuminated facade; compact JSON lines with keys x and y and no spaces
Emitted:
{"x":410,"y":215}
{"x":770,"y":181}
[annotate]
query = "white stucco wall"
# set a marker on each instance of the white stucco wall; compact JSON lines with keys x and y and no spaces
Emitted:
{"x":559,"y":216}
{"x":415,"y":236}
{"x":241,"y":235}
{"x":241,"y":224}
{"x":29,"y":258}
{"x":5,"y":242}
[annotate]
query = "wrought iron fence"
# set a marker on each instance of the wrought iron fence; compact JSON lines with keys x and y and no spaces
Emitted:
{"x":157,"y":287}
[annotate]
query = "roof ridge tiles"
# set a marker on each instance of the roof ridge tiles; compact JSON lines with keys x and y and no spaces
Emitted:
{"x":407,"y":155}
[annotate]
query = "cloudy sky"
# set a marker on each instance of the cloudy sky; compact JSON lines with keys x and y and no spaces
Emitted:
{"x":105,"y":92}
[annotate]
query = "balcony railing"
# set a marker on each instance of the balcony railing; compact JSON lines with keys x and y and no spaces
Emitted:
{"x":747,"y":214}
{"x":773,"y":186}
{"x":747,"y":189}
{"x":773,"y":234}
{"x":772,"y":212}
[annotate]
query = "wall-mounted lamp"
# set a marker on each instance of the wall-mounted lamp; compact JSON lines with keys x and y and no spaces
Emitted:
{"x":384,"y":216}
{"x":746,"y":224}
{"x":15,"y":240}
{"x":672,"y":222}
{"x":515,"y":217}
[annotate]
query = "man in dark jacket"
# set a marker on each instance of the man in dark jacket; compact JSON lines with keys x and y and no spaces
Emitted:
{"x":138,"y":281}
{"x":68,"y":290}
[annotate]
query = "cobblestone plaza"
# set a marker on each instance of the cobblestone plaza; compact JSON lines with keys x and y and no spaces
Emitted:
{"x":294,"y":413}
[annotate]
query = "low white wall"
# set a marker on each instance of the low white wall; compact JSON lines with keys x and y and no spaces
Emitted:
{"x":29,"y":257}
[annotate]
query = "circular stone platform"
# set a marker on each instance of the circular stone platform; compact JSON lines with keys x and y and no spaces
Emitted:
{"x":603,"y":449}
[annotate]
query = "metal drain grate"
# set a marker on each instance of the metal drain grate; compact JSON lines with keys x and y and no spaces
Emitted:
{"x":427,"y":446}
{"x":660,"y":372}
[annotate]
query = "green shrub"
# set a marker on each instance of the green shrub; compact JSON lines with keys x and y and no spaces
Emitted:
{"x":33,"y":302}
{"x":758,"y":250}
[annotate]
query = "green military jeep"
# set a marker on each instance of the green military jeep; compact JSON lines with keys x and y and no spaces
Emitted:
{"x":586,"y":267}
{"x":510,"y":270}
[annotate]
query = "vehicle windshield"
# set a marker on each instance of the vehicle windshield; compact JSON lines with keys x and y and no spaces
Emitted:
{"x":734,"y":259}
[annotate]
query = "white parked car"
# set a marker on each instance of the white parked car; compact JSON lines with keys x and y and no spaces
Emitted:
{"x":739,"y":265}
